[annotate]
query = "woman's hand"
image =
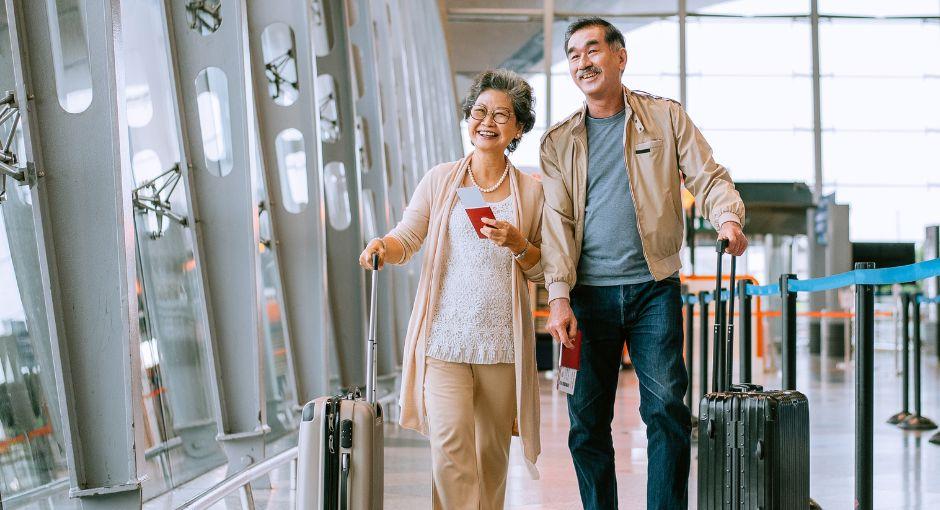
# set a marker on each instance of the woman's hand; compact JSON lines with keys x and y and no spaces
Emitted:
{"x":374,"y":246}
{"x":504,"y":234}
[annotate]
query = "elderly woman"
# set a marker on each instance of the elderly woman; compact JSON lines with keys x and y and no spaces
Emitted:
{"x":469,"y":379}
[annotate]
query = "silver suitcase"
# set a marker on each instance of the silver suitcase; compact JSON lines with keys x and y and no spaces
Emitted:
{"x":340,"y":452}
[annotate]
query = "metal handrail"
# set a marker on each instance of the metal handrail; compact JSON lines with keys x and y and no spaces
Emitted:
{"x":240,"y":481}
{"x":38,"y":493}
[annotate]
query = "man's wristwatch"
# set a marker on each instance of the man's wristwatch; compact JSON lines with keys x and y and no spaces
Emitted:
{"x":521,"y":254}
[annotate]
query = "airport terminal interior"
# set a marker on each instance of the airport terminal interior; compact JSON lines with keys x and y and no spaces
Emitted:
{"x":186,"y":187}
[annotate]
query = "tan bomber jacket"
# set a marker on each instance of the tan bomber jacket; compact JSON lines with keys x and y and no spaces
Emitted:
{"x":661,"y":146}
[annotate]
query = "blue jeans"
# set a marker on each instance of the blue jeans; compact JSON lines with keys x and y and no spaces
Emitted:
{"x":648,"y":316}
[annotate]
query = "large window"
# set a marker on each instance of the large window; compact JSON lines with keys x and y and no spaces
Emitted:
{"x":754,"y":101}
{"x":32,"y":446}
{"x":881,"y":124}
{"x":179,"y":426}
{"x":32,"y":453}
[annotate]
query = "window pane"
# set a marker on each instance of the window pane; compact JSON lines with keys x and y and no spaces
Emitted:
{"x":600,"y":8}
{"x":280,"y":63}
{"x":279,"y":393}
{"x":880,"y":7}
{"x":753,"y":100}
{"x":889,"y":213}
{"x":67,"y":30}
{"x":139,"y":106}
{"x":292,"y":167}
{"x":320,"y":31}
{"x":337,"y":195}
{"x":329,"y":109}
{"x":179,"y":425}
{"x":881,"y":160}
{"x":214,"y":120}
{"x":30,"y":425}
{"x":205,"y":16}
{"x":749,"y":7}
{"x":369,"y":230}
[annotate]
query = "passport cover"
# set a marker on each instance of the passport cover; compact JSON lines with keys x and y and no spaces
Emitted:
{"x":476,"y":215}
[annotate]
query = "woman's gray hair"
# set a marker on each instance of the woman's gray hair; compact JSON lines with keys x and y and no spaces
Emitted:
{"x":518,"y":90}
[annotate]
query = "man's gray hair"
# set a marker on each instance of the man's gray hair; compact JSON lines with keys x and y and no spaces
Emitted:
{"x":612,"y":34}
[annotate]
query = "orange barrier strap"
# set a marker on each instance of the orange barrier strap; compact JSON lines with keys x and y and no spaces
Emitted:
{"x":155,"y":392}
{"x":45,"y":430}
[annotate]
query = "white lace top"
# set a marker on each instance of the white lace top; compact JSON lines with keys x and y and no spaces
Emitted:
{"x":472,"y":322}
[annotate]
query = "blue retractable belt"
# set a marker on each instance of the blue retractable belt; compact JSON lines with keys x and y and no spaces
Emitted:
{"x":887,"y":276}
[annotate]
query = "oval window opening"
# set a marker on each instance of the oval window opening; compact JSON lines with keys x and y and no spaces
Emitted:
{"x":337,"y":195}
{"x":320,"y":31}
{"x":67,"y":33}
{"x":292,"y":169}
{"x":214,"y":117}
{"x":329,"y":110}
{"x":205,"y":16}
{"x":280,"y":63}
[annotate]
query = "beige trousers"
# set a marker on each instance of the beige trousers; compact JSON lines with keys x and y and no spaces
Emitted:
{"x":471,"y":409}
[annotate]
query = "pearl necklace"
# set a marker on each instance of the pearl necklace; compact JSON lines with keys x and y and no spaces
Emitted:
{"x":493,"y":187}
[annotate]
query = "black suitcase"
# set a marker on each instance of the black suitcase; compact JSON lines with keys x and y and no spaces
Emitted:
{"x":753,"y":445}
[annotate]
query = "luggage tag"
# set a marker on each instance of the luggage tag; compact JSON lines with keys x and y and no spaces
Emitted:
{"x":475,"y":207}
{"x":568,"y":367}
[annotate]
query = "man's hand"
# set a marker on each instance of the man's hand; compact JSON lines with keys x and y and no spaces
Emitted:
{"x":737,"y":242}
{"x":562,"y":323}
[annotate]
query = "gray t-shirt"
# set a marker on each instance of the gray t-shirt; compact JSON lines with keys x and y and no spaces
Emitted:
{"x":611,"y":253}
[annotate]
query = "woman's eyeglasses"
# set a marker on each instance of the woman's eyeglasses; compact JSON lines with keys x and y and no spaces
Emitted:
{"x":499,"y":116}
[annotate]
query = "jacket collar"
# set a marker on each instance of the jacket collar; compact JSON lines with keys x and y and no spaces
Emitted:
{"x":580,"y":118}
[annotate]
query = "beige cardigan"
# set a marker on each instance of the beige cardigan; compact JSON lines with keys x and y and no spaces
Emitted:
{"x":426,"y":219}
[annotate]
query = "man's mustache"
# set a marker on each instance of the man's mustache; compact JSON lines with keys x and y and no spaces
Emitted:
{"x":588,"y":70}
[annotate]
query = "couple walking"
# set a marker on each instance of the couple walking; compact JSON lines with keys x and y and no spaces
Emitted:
{"x":602,"y":231}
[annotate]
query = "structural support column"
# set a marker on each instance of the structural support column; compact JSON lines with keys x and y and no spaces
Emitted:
{"x":817,"y":251}
{"x":284,"y":78}
{"x":683,"y":86}
{"x":393,"y":117}
{"x":340,"y":179}
{"x":208,"y":55}
{"x":373,"y":172}
{"x":548,"y":37}
{"x":82,"y":203}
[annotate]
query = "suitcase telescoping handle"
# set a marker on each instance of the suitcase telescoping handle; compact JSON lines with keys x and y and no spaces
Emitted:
{"x":370,"y":342}
{"x":724,"y":333}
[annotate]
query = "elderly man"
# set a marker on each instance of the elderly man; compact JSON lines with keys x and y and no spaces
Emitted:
{"x":612,"y":223}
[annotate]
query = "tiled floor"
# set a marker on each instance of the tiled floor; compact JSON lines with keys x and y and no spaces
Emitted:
{"x":907,"y":467}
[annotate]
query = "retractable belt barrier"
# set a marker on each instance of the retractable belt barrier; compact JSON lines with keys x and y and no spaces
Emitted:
{"x":887,"y":276}
{"x":928,"y":300}
{"x":864,"y":277}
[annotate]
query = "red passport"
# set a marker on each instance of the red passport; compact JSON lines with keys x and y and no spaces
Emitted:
{"x":476,"y":215}
{"x":571,"y":358}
